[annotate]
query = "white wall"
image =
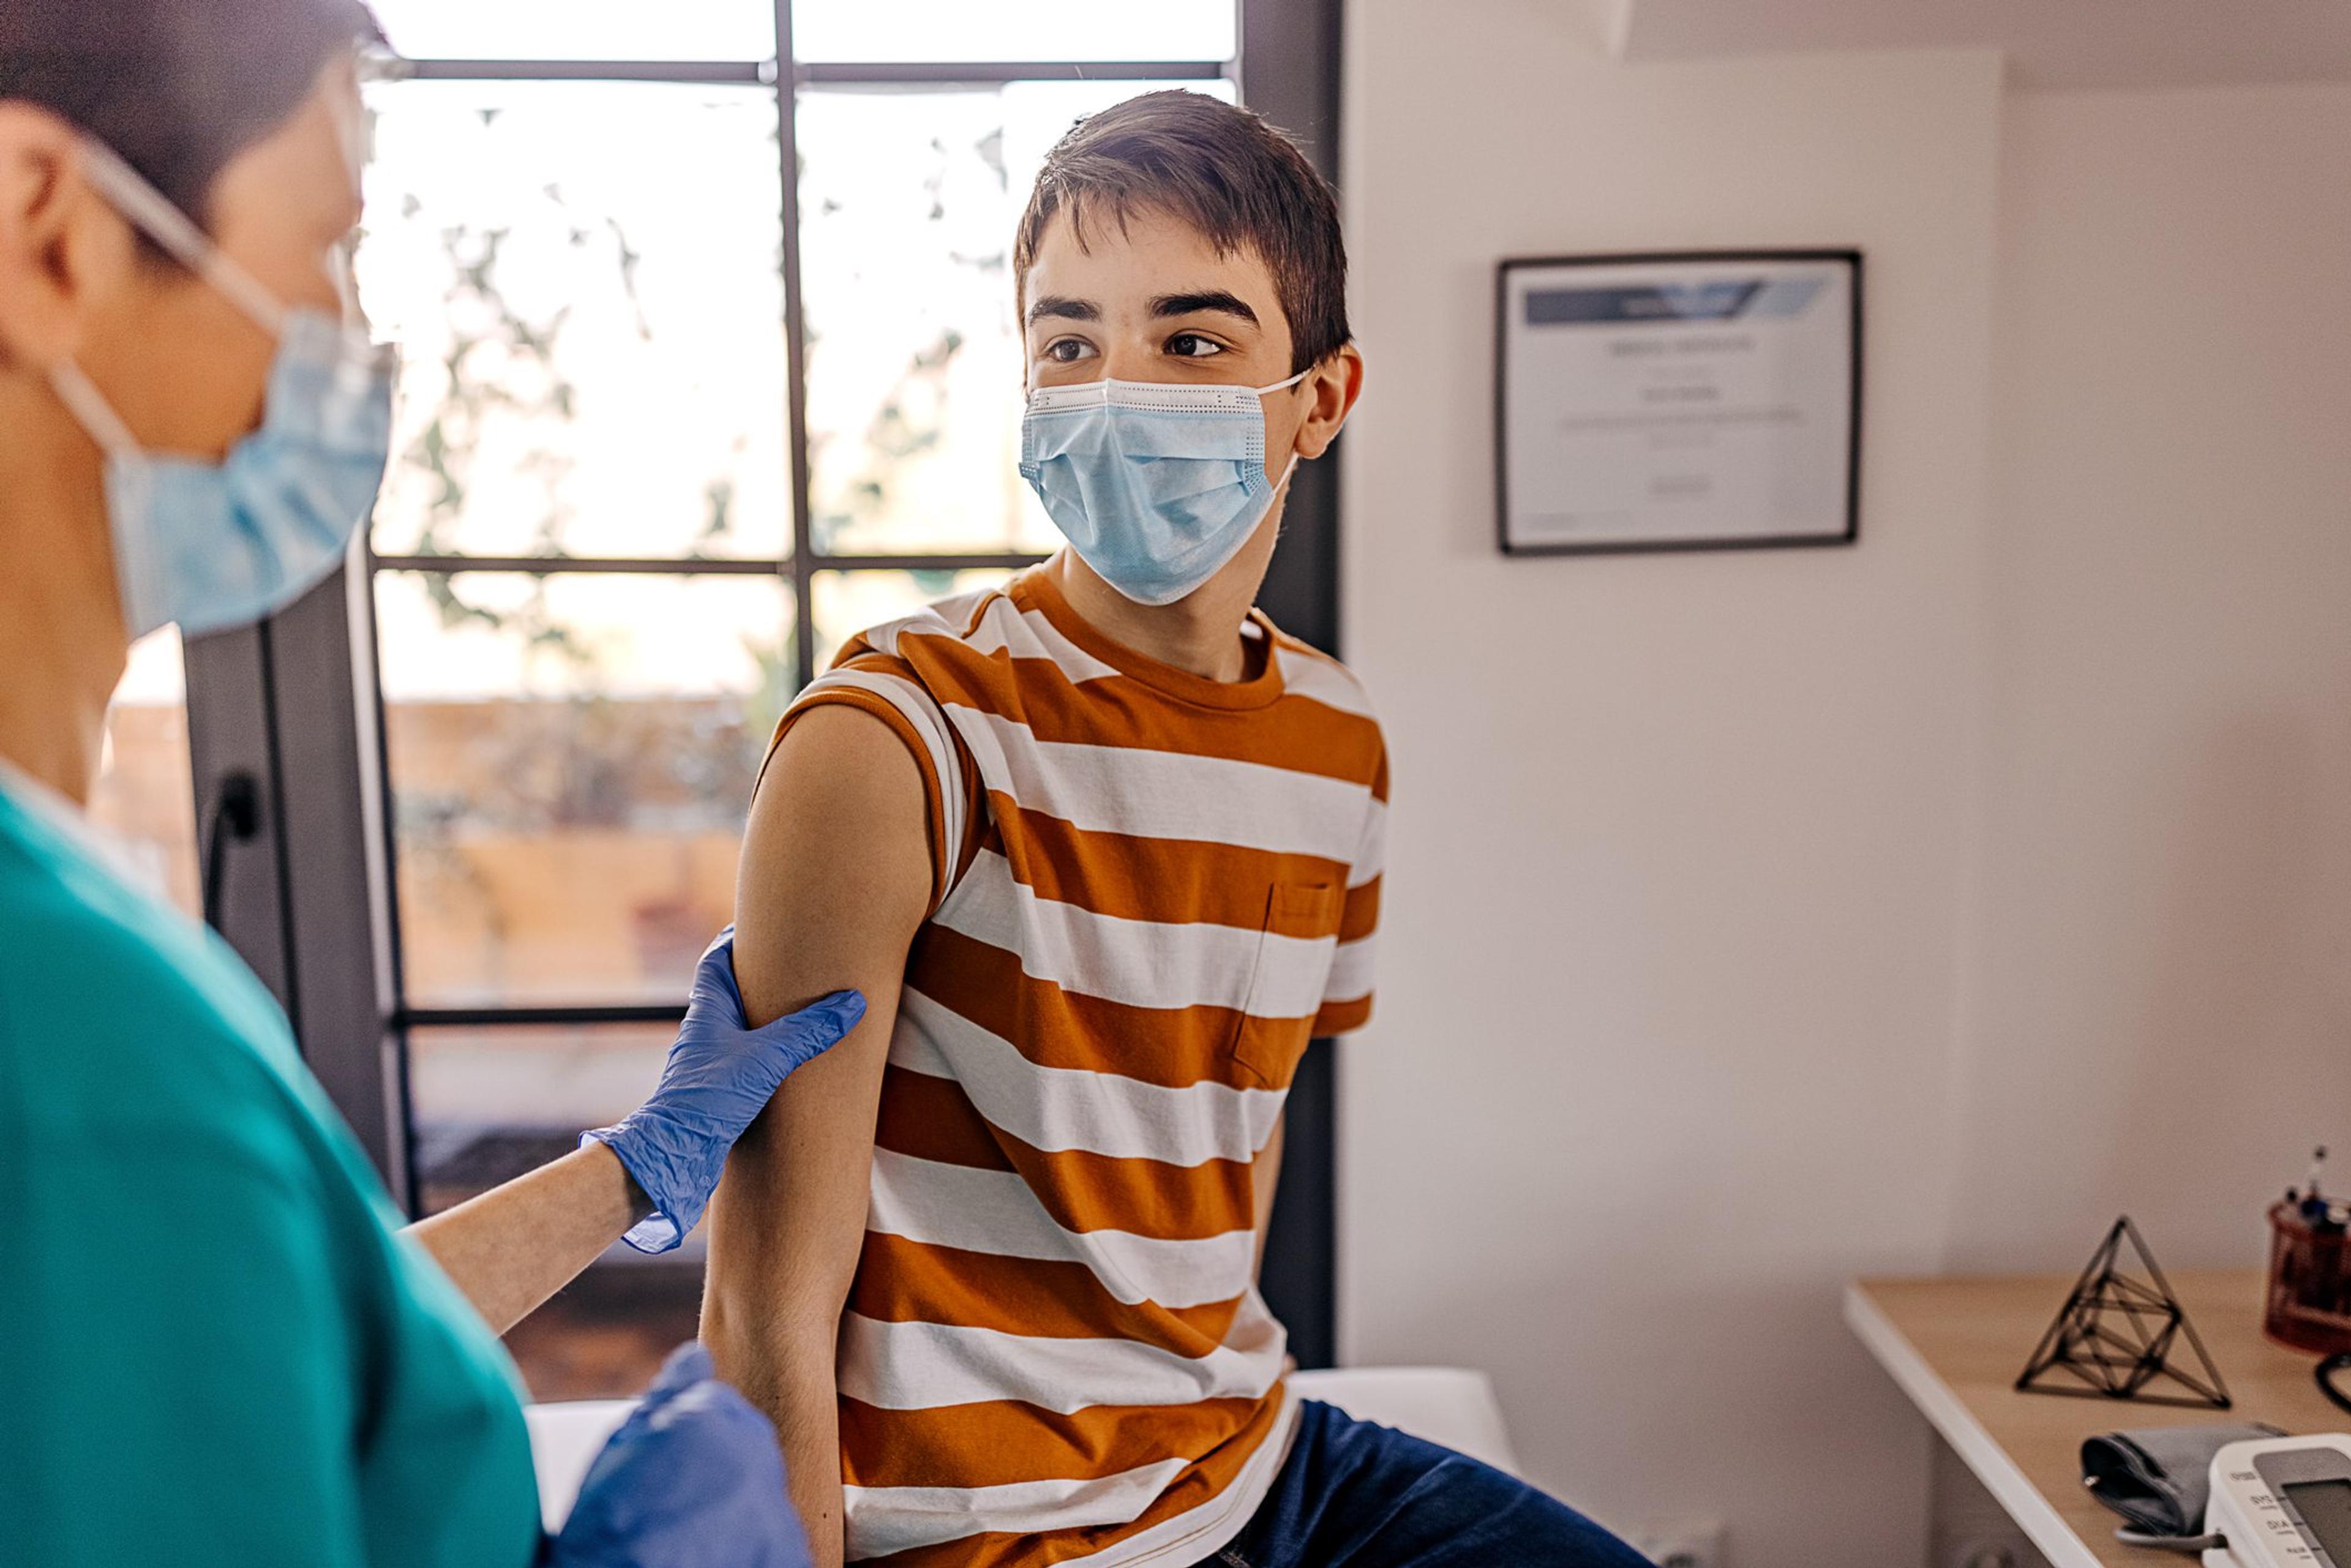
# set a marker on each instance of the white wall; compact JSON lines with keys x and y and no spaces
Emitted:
{"x":2162,"y":949}
{"x":1756,"y":921}
{"x":1669,"y":959}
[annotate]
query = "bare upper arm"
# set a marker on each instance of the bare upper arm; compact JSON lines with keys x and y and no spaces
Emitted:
{"x":835,"y":880}
{"x":836,"y":867}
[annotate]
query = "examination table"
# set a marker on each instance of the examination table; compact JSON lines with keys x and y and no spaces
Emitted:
{"x":1452,"y":1406}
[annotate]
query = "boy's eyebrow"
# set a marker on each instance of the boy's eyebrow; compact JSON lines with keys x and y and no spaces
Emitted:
{"x":1204,"y":299}
{"x":1064,"y":307}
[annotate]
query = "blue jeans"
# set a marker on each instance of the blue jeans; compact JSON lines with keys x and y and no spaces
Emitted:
{"x":1356,"y":1495}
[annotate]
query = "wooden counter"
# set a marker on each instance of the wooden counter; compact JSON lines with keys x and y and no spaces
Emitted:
{"x":1956,"y":1346}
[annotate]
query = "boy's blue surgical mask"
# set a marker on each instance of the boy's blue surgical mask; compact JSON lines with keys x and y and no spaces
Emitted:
{"x":211,"y":545}
{"x":1157,"y":486}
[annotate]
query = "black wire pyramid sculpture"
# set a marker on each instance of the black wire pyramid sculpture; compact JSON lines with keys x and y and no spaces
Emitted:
{"x":2121,"y":1335}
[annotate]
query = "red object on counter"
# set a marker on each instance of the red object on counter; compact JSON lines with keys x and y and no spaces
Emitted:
{"x":2309,"y":1301}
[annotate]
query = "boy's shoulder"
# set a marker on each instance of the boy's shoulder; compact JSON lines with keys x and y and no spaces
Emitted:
{"x":982,"y":621}
{"x":1308,"y":672}
{"x":989,"y":648}
{"x":983,"y":649}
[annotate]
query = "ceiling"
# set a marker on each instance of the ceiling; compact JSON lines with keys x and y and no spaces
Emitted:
{"x":2048,"y":42}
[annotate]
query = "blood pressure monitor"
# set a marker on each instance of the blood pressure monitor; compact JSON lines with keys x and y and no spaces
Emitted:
{"x":2281,"y":1502}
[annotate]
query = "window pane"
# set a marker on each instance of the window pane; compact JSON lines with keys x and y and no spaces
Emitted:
{"x":489,"y":1104}
{"x":583,"y":278}
{"x":848,"y":602}
{"x":580,"y":29}
{"x":606,"y":1336}
{"x":143,"y":799}
{"x":572,"y":757}
{"x":907,"y":204}
{"x":1012,"y":30}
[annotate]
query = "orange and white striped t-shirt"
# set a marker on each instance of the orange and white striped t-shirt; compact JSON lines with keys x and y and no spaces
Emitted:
{"x":1152,"y":890}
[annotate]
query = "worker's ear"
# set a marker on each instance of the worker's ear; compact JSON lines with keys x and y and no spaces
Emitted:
{"x":60,"y":244}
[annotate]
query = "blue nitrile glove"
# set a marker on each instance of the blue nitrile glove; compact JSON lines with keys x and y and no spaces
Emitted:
{"x":692,"y":1480}
{"x":720,"y":1074}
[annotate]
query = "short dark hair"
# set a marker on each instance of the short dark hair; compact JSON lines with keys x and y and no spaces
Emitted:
{"x":179,"y":87}
{"x":1221,"y":169}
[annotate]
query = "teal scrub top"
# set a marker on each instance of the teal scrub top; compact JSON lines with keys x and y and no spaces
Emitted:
{"x":215,"y":1348}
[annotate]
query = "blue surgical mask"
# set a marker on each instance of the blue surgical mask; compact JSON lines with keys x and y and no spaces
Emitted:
{"x":1157,"y":486}
{"x":212,"y":545}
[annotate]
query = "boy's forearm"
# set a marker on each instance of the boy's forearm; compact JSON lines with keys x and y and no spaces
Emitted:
{"x":771,"y":1312}
{"x":778,"y":1347}
{"x":785,"y":1228}
{"x":799,"y":1397}
{"x":809,"y":1427}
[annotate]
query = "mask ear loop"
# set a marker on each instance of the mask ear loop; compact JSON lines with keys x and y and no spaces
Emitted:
{"x":150,"y":212}
{"x":89,"y":406}
{"x":130,"y":479}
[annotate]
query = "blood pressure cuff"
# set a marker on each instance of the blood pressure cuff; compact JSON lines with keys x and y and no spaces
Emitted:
{"x":2159,"y":1479}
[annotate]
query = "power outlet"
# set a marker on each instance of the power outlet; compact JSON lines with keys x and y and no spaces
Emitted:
{"x":1683,"y":1546}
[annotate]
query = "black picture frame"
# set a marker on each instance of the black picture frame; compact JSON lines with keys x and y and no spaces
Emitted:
{"x":1849,"y":257}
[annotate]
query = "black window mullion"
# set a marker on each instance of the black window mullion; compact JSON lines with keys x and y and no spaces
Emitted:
{"x":504,"y":1017}
{"x":995,"y":73}
{"x":562,"y":565}
{"x":1006,"y":560}
{"x":795,"y":352}
{"x":747,"y":73}
{"x":820,"y":73}
{"x":708,"y":566}
{"x":1286,"y":66}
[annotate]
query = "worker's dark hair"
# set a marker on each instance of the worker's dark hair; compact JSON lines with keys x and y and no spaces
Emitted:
{"x":1220,"y":169}
{"x":179,"y":87}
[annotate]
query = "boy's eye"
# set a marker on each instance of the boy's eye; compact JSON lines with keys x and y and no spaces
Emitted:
{"x":1192,"y":346}
{"x":1068,"y":351}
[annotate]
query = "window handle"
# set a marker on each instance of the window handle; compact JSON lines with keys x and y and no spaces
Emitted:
{"x":235,"y":817}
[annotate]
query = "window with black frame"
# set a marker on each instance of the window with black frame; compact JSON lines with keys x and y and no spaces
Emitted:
{"x":710,"y":362}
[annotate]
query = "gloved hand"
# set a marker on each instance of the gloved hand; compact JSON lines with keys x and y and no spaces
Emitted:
{"x":692,"y":1480}
{"x":720,"y":1074}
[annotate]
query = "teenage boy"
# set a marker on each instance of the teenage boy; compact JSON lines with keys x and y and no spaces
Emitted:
{"x":1103,"y":849}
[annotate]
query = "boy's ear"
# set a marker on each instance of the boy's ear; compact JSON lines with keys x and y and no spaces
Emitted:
{"x":1336,"y":382}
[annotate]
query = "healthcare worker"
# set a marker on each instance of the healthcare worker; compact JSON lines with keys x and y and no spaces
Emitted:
{"x":215,"y":1348}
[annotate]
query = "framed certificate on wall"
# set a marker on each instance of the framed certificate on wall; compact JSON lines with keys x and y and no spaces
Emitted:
{"x":1692,"y":400}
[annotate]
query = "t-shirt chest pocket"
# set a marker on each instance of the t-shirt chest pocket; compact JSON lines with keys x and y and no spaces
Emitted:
{"x":1286,"y":981}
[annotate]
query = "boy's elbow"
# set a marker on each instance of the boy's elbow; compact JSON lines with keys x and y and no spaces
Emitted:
{"x":777,"y":1346}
